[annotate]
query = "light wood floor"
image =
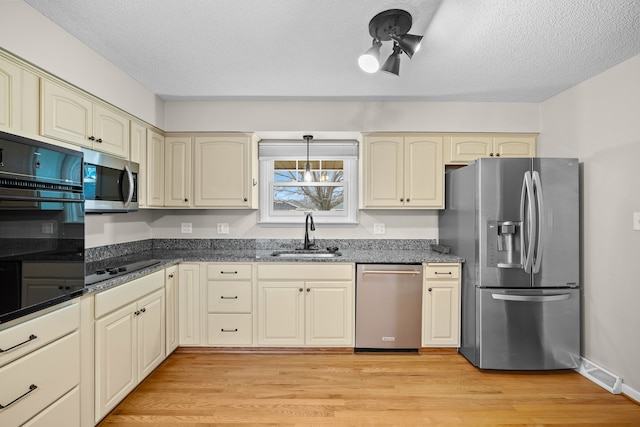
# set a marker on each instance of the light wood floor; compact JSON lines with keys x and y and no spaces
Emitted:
{"x":362,"y":389}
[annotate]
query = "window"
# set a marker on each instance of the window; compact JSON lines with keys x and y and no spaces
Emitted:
{"x":285,"y":197}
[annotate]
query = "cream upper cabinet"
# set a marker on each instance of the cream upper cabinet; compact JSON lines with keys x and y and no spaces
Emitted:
{"x":441,"y":306}
{"x":402,"y":171}
{"x":177,"y":171}
{"x":10,"y":84}
{"x":138,"y":154}
{"x":155,"y":169}
{"x":305,"y":304}
{"x":72,"y":117}
{"x":225,"y":171}
{"x":463,"y":148}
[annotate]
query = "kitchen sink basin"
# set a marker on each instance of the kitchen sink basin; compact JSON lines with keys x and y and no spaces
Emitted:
{"x":306,"y":253}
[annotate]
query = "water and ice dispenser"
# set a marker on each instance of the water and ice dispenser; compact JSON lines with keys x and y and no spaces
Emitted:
{"x":504,"y":244}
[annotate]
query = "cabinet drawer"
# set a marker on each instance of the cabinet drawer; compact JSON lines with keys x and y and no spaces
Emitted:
{"x":229,"y":297}
{"x":17,"y":340}
{"x":442,"y":271}
{"x":53,"y":370}
{"x":64,"y":412}
{"x":230,"y":329}
{"x":298,"y":271}
{"x":229,"y":272}
{"x":119,"y":296}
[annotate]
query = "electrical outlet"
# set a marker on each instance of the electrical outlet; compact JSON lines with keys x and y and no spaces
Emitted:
{"x":378,"y":228}
{"x":186,"y":228}
{"x":636,"y":220}
{"x":47,"y":228}
{"x":223,"y":228}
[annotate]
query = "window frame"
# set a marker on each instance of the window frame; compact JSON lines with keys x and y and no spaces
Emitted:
{"x":268,"y":215}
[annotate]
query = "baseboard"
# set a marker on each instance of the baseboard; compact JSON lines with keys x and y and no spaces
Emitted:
{"x":604,"y":378}
{"x":631,"y":393}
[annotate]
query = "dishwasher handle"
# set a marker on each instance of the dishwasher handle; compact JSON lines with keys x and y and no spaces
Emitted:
{"x":412,"y":272}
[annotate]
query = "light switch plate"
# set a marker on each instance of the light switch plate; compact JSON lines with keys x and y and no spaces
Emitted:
{"x":636,"y":221}
{"x":186,"y":228}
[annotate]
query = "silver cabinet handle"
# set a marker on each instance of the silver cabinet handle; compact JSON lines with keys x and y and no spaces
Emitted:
{"x":228,"y":272}
{"x":31,"y":388}
{"x":31,"y":338}
{"x":229,"y":330}
{"x":223,"y":297}
{"x":448,"y":272}
{"x":131,"y":184}
{"x":531,"y":298}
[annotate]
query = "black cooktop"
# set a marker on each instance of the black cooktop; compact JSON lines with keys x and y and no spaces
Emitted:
{"x":109,"y":272}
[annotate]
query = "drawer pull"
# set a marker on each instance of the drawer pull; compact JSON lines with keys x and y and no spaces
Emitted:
{"x":31,"y":388}
{"x":448,"y":272}
{"x":223,"y":297}
{"x":31,"y":338}
{"x":228,"y":272}
{"x":229,"y":330}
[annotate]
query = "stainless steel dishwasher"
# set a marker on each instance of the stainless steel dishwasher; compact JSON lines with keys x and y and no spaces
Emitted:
{"x":388,"y":306}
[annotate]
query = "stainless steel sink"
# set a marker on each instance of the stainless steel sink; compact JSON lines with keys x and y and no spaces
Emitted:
{"x":303,"y":253}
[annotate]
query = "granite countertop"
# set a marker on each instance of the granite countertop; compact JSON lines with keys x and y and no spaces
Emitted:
{"x":169,"y":256}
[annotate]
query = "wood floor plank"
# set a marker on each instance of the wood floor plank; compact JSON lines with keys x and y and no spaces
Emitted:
{"x":206,"y":389}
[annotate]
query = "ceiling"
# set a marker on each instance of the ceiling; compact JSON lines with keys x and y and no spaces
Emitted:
{"x":473,"y":50}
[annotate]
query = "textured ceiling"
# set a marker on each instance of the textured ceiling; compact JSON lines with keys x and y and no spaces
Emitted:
{"x":473,"y":50}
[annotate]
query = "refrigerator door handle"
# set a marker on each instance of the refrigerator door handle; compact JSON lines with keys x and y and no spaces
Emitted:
{"x":528,"y":226}
{"x":531,"y":298}
{"x":537,"y":186}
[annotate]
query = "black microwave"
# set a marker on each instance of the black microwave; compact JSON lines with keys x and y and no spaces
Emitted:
{"x":110,"y":183}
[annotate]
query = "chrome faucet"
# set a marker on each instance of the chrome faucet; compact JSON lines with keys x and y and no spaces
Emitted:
{"x":308,"y":223}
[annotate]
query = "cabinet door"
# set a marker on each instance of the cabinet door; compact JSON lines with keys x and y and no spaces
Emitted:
{"x":281,"y":313}
{"x":424,"y":172}
{"x":151,"y":332}
{"x":115,"y":357}
{"x":465,"y":148}
{"x":177,"y":171}
{"x":110,"y":132}
{"x":383,"y":174}
{"x":138,"y":154}
{"x":171,"y":301}
{"x":441,"y":305}
{"x":222,"y":172}
{"x":155,"y":169}
{"x":9,"y":96}
{"x":66,"y":115}
{"x":329,"y":313}
{"x":515,"y":146}
{"x":63,"y":412}
{"x":189,"y":308}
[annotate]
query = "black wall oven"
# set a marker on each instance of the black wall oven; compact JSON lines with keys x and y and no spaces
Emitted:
{"x":41,"y":226}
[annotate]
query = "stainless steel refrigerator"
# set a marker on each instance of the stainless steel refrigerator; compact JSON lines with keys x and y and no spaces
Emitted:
{"x":516,"y":223}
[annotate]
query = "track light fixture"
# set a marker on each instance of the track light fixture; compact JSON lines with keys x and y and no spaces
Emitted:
{"x":389,"y":25}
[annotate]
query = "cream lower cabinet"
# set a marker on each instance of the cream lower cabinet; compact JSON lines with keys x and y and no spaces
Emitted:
{"x":129,"y":338}
{"x":171,"y":301}
{"x":402,"y":171}
{"x":74,"y":117}
{"x":230,"y":304}
{"x":463,"y":148}
{"x":40,"y":370}
{"x":441,"y":305}
{"x":191,"y":295}
{"x":306,"y":305}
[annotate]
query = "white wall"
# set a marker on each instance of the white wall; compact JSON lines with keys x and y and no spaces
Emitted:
{"x":108,"y":229}
{"x":28,"y":34}
{"x":598,"y":121}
